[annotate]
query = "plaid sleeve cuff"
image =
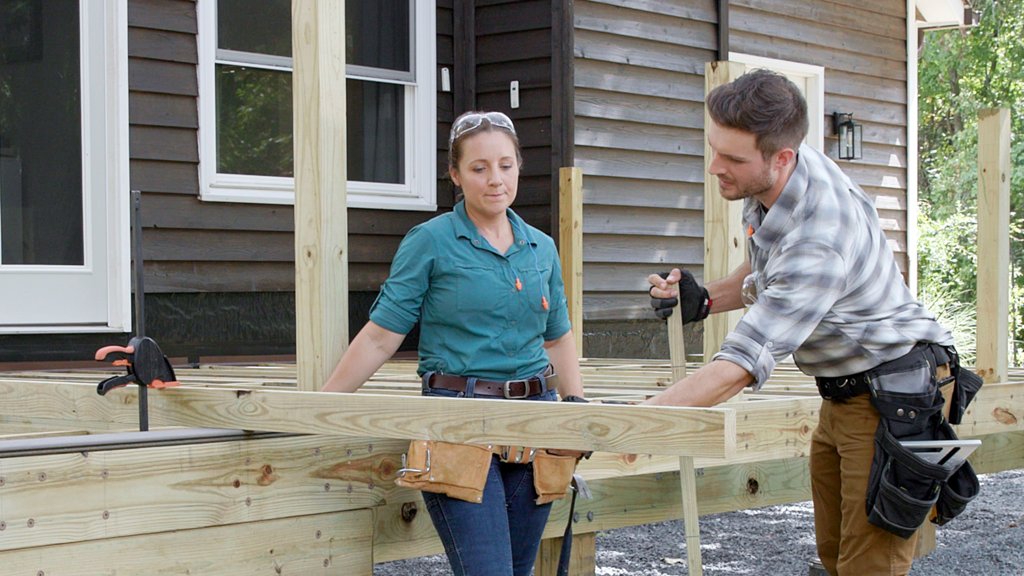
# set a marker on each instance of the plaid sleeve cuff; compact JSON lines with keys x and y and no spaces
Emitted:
{"x":749,"y":354}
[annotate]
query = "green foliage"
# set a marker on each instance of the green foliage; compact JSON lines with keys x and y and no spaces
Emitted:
{"x":959,"y":74}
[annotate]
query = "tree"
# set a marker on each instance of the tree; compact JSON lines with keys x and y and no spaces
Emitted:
{"x":961,"y":72}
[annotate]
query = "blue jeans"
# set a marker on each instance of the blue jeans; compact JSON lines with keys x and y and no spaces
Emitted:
{"x":499,"y":536}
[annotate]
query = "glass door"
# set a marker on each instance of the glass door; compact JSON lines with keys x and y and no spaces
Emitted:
{"x":62,"y":167}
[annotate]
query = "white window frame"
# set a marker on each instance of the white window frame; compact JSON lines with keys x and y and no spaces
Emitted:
{"x":815,"y":77}
{"x":419,"y":192}
{"x":103,"y":65}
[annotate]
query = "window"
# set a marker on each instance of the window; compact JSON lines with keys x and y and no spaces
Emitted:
{"x":245,"y":90}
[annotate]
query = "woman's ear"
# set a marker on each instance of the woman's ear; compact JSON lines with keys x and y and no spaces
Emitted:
{"x":454,"y":175}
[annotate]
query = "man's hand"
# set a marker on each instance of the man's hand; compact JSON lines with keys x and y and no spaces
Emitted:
{"x":668,"y":289}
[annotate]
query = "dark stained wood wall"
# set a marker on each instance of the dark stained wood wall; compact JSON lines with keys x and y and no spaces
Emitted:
{"x":195,"y":246}
{"x":514,"y":42}
{"x":639,"y":91}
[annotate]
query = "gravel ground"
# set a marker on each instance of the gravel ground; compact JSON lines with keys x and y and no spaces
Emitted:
{"x":987,"y":539}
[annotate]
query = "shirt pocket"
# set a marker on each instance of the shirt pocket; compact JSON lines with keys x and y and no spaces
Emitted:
{"x":481,"y":288}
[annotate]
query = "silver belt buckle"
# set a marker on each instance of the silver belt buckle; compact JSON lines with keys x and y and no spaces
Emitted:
{"x":526,"y":389}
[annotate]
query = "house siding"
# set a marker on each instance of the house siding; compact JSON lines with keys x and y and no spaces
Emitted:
{"x":639,"y":119}
{"x":639,"y":92}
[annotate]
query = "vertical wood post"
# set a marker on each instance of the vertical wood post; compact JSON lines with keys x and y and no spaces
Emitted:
{"x":581,"y":559}
{"x":724,"y":242}
{"x":993,"y":243}
{"x":321,"y":218}
{"x":676,"y":345}
{"x":570,"y":246}
{"x":691,"y":517}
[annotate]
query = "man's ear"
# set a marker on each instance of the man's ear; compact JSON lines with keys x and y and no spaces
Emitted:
{"x":784,"y":158}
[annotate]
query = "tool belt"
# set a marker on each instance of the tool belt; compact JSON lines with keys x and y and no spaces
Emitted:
{"x":510,"y":389}
{"x":908,"y":394}
{"x":460,"y":470}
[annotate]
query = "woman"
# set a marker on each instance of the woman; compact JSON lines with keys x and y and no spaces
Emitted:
{"x":487,"y":290}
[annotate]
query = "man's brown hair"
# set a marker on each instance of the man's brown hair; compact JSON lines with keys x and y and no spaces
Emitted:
{"x":764,"y":103}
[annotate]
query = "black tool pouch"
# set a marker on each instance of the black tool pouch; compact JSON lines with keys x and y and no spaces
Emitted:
{"x":959,"y":489}
{"x":966,"y":387}
{"x":902,"y":486}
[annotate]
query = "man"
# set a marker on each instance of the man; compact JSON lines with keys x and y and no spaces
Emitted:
{"x":821,"y":284}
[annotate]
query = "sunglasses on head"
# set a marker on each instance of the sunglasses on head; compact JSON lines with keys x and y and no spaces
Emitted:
{"x":470,"y":122}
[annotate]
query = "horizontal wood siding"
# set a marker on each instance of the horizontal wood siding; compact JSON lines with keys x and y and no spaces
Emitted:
{"x":862,"y":46}
{"x":195,"y":246}
{"x":639,"y":121}
{"x":513,"y":43}
{"x":639,"y":85}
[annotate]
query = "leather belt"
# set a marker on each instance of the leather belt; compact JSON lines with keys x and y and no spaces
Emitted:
{"x":523,"y":388}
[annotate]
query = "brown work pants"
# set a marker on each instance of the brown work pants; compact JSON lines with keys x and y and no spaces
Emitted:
{"x":841,"y":450}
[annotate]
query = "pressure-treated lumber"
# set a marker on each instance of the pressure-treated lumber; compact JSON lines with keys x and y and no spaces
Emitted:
{"x":691,"y":524}
{"x":582,"y":560}
{"x":706,"y":432}
{"x":993,"y":243}
{"x":321,"y":221}
{"x":724,"y":241}
{"x":570,"y":246}
{"x":676,"y":345}
{"x":63,"y":498}
{"x":334,"y":543}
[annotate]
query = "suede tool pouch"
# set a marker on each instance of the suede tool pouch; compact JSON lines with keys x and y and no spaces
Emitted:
{"x":552,"y":475}
{"x":457,"y":470}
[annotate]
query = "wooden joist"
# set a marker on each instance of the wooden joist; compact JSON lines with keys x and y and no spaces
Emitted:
{"x":333,"y":543}
{"x":64,"y":498}
{"x":707,"y":432}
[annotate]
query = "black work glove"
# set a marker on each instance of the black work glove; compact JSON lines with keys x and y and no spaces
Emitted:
{"x":696,"y":303}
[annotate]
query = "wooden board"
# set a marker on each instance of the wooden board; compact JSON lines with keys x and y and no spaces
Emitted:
{"x":618,"y":428}
{"x":335,"y":543}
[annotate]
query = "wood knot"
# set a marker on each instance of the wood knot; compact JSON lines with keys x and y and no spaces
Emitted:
{"x":1004,"y":416}
{"x":267,"y":476}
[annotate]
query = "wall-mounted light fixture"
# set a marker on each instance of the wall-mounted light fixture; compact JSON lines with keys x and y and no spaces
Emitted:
{"x":850,"y":135}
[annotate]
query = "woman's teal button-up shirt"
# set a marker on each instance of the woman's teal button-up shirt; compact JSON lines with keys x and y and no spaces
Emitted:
{"x":474,"y":321}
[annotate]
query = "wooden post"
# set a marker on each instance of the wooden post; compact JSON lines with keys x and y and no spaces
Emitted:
{"x":321,"y":218}
{"x":724,"y":241}
{"x":691,"y":517}
{"x":581,"y":559}
{"x":993,"y":243}
{"x":570,"y":246}
{"x":676,"y":345}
